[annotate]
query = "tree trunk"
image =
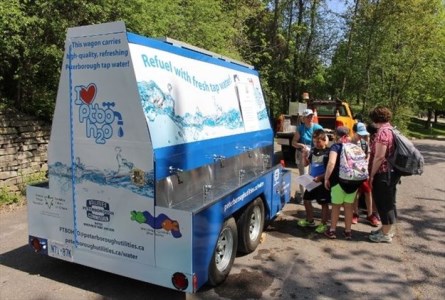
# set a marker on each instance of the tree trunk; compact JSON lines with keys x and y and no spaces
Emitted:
{"x":348,"y":50}
{"x":305,"y":66}
{"x":273,"y":45}
{"x":428,"y":118}
{"x":296,"y":72}
{"x":290,"y":87}
{"x":368,"y":56}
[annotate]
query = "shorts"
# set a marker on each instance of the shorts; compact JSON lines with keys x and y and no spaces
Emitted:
{"x":339,"y":196}
{"x":320,"y":194}
{"x":364,"y":187}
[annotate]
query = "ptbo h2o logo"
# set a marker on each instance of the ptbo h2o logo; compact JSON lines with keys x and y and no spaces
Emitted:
{"x":98,"y":120}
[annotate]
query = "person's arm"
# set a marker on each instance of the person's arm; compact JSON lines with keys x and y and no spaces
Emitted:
{"x":379,"y":157}
{"x":295,"y":140}
{"x":306,"y":157}
{"x":329,"y":168}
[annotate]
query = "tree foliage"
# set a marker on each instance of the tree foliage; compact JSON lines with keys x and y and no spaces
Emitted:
{"x":396,"y":53}
{"x":386,"y":51}
{"x":32,"y":35}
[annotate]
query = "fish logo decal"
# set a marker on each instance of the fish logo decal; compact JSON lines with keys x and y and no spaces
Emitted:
{"x":160,"y":222}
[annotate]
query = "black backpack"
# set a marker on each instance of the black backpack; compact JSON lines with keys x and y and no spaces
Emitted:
{"x":406,"y":159}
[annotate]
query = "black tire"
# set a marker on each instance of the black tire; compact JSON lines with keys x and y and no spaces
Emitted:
{"x":250,"y":226}
{"x":224,"y":254}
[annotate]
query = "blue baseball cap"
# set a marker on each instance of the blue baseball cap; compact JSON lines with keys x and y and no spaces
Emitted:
{"x":361,"y":129}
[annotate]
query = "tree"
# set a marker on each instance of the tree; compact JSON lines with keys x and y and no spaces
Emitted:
{"x":395,"y":44}
{"x":290,"y":40}
{"x":32,"y":35}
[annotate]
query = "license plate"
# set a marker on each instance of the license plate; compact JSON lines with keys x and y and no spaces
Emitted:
{"x":61,"y":251}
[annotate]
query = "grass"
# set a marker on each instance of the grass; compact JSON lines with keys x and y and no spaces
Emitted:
{"x":416,"y":128}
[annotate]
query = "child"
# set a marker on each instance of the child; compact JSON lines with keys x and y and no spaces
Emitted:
{"x":317,"y":158}
{"x":342,"y":194}
{"x":360,"y":138}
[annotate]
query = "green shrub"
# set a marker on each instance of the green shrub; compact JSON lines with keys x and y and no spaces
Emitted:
{"x":30,"y":179}
{"x":7,"y":197}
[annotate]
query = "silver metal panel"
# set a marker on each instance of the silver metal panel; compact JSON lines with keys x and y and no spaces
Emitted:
{"x":203,"y":51}
{"x":191,"y":190}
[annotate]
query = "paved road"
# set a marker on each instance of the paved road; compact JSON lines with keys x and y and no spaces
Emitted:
{"x":291,"y":263}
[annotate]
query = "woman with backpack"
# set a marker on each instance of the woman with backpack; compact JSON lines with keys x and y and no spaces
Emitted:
{"x":382,"y":179}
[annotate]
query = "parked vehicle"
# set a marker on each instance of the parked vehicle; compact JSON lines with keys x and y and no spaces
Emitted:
{"x":328,"y":113}
{"x":157,"y":171}
{"x":332,"y":114}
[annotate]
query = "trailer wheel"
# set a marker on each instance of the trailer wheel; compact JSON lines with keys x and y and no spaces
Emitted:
{"x":225,"y":252}
{"x":250,"y":226}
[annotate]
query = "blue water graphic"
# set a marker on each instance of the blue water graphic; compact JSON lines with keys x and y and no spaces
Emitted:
{"x":189,"y":127}
{"x":120,"y":178}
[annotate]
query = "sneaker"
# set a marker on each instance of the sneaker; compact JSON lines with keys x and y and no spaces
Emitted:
{"x":372,"y":219}
{"x":321,"y":228}
{"x":330,"y":234}
{"x":380,"y":238}
{"x":391,"y":234}
{"x":347,"y":235}
{"x":354,"y":218}
{"x":306,"y":223}
{"x":376,"y":214}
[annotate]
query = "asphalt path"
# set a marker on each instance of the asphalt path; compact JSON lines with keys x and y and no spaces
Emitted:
{"x":290,"y":263}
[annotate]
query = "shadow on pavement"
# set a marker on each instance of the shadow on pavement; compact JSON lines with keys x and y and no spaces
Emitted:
{"x":433,"y":154}
{"x":108,"y":285}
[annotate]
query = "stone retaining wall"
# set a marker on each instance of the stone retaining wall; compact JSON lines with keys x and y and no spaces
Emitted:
{"x":23,"y":149}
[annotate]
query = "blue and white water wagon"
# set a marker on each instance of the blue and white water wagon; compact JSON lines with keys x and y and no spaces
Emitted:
{"x":160,"y":161}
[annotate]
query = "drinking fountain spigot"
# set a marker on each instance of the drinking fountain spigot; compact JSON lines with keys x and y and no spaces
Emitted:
{"x":248,"y":150}
{"x":266,"y":160}
{"x":219,"y":158}
{"x":176,"y":171}
{"x":241,"y":174}
{"x":206,"y":189}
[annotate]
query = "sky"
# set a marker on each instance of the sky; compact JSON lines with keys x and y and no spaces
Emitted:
{"x":337,"y":6}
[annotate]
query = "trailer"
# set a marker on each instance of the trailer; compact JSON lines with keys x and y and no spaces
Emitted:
{"x":160,"y":161}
